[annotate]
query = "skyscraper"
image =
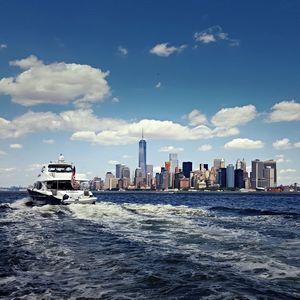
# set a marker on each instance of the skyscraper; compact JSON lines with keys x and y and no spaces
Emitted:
{"x":230,"y":176}
{"x":173,"y":159}
{"x":257,"y":174}
{"x":119,"y":170}
{"x":219,"y":163}
{"x":187,"y":167}
{"x":272,"y":164}
{"x":269,"y":174}
{"x":239,"y":179}
{"x":142,"y":156}
{"x":125,"y":172}
{"x":222,"y":177}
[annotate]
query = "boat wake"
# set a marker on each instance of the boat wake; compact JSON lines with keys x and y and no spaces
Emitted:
{"x":135,"y":250}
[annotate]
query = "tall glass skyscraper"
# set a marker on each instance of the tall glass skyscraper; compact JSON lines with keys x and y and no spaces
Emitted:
{"x":230,"y":176}
{"x":142,"y":156}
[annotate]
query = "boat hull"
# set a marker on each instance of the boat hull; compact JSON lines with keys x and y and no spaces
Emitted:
{"x":40,"y":199}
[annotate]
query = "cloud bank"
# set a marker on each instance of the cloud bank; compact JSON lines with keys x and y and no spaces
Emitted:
{"x":56,"y":83}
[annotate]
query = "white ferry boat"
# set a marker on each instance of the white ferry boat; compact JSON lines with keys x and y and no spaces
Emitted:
{"x":59,"y":184}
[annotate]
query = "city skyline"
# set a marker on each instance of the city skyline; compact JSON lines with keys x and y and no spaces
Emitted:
{"x":200,"y":79}
{"x":260,"y":175}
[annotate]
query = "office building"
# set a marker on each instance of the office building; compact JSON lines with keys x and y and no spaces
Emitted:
{"x":230,"y":176}
{"x":125,"y":172}
{"x":272,"y":164}
{"x":219,"y":163}
{"x":257,"y":174}
{"x":187,"y":167}
{"x":222,"y":177}
{"x":119,"y":170}
{"x":269,"y":175}
{"x":143,"y":156}
{"x":239,"y":182}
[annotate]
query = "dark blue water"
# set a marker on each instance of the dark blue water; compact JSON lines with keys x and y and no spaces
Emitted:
{"x":152,"y":246}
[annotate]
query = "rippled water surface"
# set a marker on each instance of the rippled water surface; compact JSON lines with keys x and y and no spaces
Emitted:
{"x":152,"y":246}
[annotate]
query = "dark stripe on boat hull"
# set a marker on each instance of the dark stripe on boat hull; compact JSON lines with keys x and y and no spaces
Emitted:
{"x":41,"y":199}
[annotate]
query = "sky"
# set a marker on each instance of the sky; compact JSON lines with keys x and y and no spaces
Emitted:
{"x":204,"y":79}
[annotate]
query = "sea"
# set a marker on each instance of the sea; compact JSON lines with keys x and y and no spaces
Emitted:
{"x":152,"y":246}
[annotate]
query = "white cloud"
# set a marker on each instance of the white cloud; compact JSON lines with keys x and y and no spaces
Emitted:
{"x":113,"y":162}
{"x":35,"y":167}
{"x":126,"y":156}
{"x":214,"y":34}
{"x":72,"y":120}
{"x":196,"y":117}
{"x":297,"y":145}
{"x":122,"y":50}
{"x":164,"y":50}
{"x":115,"y":100}
{"x":86,"y":126}
{"x":233,"y":116}
{"x":283,"y":171}
{"x":282,"y":144}
{"x":56,"y":83}
{"x":27,"y":63}
{"x":205,"y":147}
{"x":158,"y":85}
{"x":285,"y":111}
{"x":5,"y":170}
{"x":2,"y":153}
{"x":155,"y":129}
{"x":170,"y":149}
{"x":244,"y":143}
{"x":280,"y":158}
{"x":49,"y":141}
{"x":3,"y":46}
{"x":16,"y":146}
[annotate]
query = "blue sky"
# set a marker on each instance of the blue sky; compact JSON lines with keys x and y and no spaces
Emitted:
{"x":83,"y":78}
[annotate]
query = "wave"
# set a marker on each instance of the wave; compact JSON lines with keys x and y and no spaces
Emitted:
{"x":252,"y":211}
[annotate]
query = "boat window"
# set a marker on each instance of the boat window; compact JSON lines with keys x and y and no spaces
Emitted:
{"x":38,"y":185}
{"x":65,"y":185}
{"x":60,"y":168}
{"x":51,"y":185}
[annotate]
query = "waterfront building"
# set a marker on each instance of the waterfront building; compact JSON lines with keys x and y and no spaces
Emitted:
{"x":177,"y":178}
{"x":272,"y":164}
{"x":119,"y":170}
{"x":143,"y":156}
{"x":217,"y":163}
{"x":222,"y":177}
{"x":257,"y":174}
{"x":238,"y":164}
{"x":108,"y":183}
{"x":164,"y":179}
{"x":125,"y":172}
{"x":184,"y":184}
{"x":173,"y":159}
{"x":187,"y":167}
{"x":239,"y":182}
{"x":230,"y":176}
{"x":96,"y":184}
{"x":150,"y":170}
{"x":138,"y":177}
{"x":269,"y":175}
{"x":124,"y":183}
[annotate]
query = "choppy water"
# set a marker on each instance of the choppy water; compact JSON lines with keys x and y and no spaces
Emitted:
{"x":152,"y":246}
